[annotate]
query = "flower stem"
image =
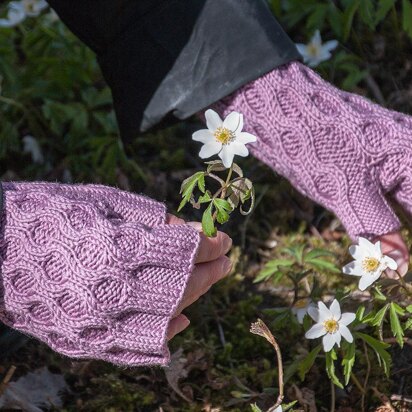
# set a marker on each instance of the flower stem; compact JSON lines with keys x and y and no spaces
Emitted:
{"x":404,"y":285}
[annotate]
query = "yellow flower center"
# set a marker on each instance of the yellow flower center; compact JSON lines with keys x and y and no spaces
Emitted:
{"x":331,"y":325}
{"x":224,"y":135}
{"x":301,"y":303}
{"x":313,"y":50}
{"x":370,"y":264}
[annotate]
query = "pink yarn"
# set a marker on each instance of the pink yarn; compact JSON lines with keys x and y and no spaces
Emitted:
{"x":339,"y":149}
{"x":92,"y":271}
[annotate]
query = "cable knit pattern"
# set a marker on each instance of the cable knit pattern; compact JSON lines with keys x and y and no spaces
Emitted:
{"x":93,"y":271}
{"x":339,"y":149}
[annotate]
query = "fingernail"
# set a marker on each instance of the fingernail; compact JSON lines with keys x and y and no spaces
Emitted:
{"x":227,"y":244}
{"x":227,"y":266}
{"x":186,"y":322}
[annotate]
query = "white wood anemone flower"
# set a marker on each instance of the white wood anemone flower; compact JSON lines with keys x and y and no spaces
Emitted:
{"x":19,"y":10}
{"x":223,"y":137}
{"x":331,"y":324}
{"x":315,"y":52}
{"x":369,"y":263}
{"x":301,"y":307}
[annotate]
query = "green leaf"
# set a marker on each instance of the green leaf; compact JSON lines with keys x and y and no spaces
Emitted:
{"x":359,"y":313}
{"x":287,"y":406}
{"x":296,"y":251}
{"x":208,"y":225}
{"x":384,"y":358}
{"x":384,"y":6}
{"x":376,"y":319}
{"x":322,"y":264}
{"x":330,"y":368}
{"x":188,"y":185}
{"x":222,"y":208}
{"x":348,"y":361}
{"x":316,"y":253}
{"x":396,"y":326}
{"x":272,"y":269}
{"x":348,"y":16}
{"x":408,"y":324}
{"x":255,"y":408}
{"x":308,"y":361}
{"x":409,"y":308}
{"x":407,"y":16}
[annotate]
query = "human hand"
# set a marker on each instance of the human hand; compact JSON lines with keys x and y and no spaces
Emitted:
{"x":211,"y":266}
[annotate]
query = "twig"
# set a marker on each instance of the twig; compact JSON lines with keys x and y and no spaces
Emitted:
{"x":7,"y":378}
{"x":376,"y":91}
{"x":260,"y":328}
{"x":383,"y":398}
{"x":368,"y":371}
{"x":332,"y":397}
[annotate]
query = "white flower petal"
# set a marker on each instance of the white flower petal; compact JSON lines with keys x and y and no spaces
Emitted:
{"x":239,"y":149}
{"x":210,"y":149}
{"x":357,"y":252}
{"x":347,"y":318}
{"x":14,"y":17}
{"x":337,"y":337}
{"x":367,"y":280}
{"x":300,"y":315}
{"x":335,"y":309}
{"x":330,"y":45}
{"x":204,"y":136}
{"x":316,"y":39}
{"x":345,"y":332}
{"x":233,"y":122}
{"x":213,"y":120}
{"x":324,"y":312}
{"x":227,"y":156}
{"x":353,"y":268}
{"x":390,"y":263}
{"x":302,"y":49}
{"x":246,"y":138}
{"x":316,"y":331}
{"x":368,"y":247}
{"x":313,"y":313}
{"x":324,"y":55}
{"x":328,"y":342}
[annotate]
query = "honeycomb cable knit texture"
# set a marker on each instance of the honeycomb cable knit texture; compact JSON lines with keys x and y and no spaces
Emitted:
{"x":92,"y":271}
{"x":339,"y":149}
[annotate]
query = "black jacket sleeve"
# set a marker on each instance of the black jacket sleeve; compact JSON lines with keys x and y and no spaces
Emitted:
{"x":168,"y":59}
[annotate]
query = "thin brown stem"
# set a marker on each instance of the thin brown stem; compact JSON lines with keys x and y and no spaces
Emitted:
{"x":6,"y":379}
{"x":332,"y":397}
{"x":260,"y":328}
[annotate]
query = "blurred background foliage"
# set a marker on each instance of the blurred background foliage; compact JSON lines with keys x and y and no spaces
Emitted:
{"x":52,"y":90}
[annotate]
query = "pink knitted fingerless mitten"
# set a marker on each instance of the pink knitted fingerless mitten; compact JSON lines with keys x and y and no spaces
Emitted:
{"x":337,"y":148}
{"x":93,"y":271}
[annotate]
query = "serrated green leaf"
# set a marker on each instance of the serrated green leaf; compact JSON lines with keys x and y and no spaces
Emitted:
{"x":330,"y":368}
{"x":359,"y":313}
{"x":348,"y":16}
{"x":409,"y":308}
{"x":376,"y":319}
{"x":222,"y":208}
{"x":188,"y":185}
{"x":408,"y":324}
{"x":396,"y":326}
{"x":321,"y":264}
{"x":316,"y":253}
{"x":348,"y":361}
{"x":307,"y":362}
{"x":384,"y":358}
{"x":208,"y":225}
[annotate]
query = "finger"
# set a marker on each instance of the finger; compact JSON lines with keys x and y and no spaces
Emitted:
{"x":177,"y":325}
{"x":211,"y":248}
{"x":174,"y":220}
{"x":394,"y":246}
{"x":203,"y":277}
